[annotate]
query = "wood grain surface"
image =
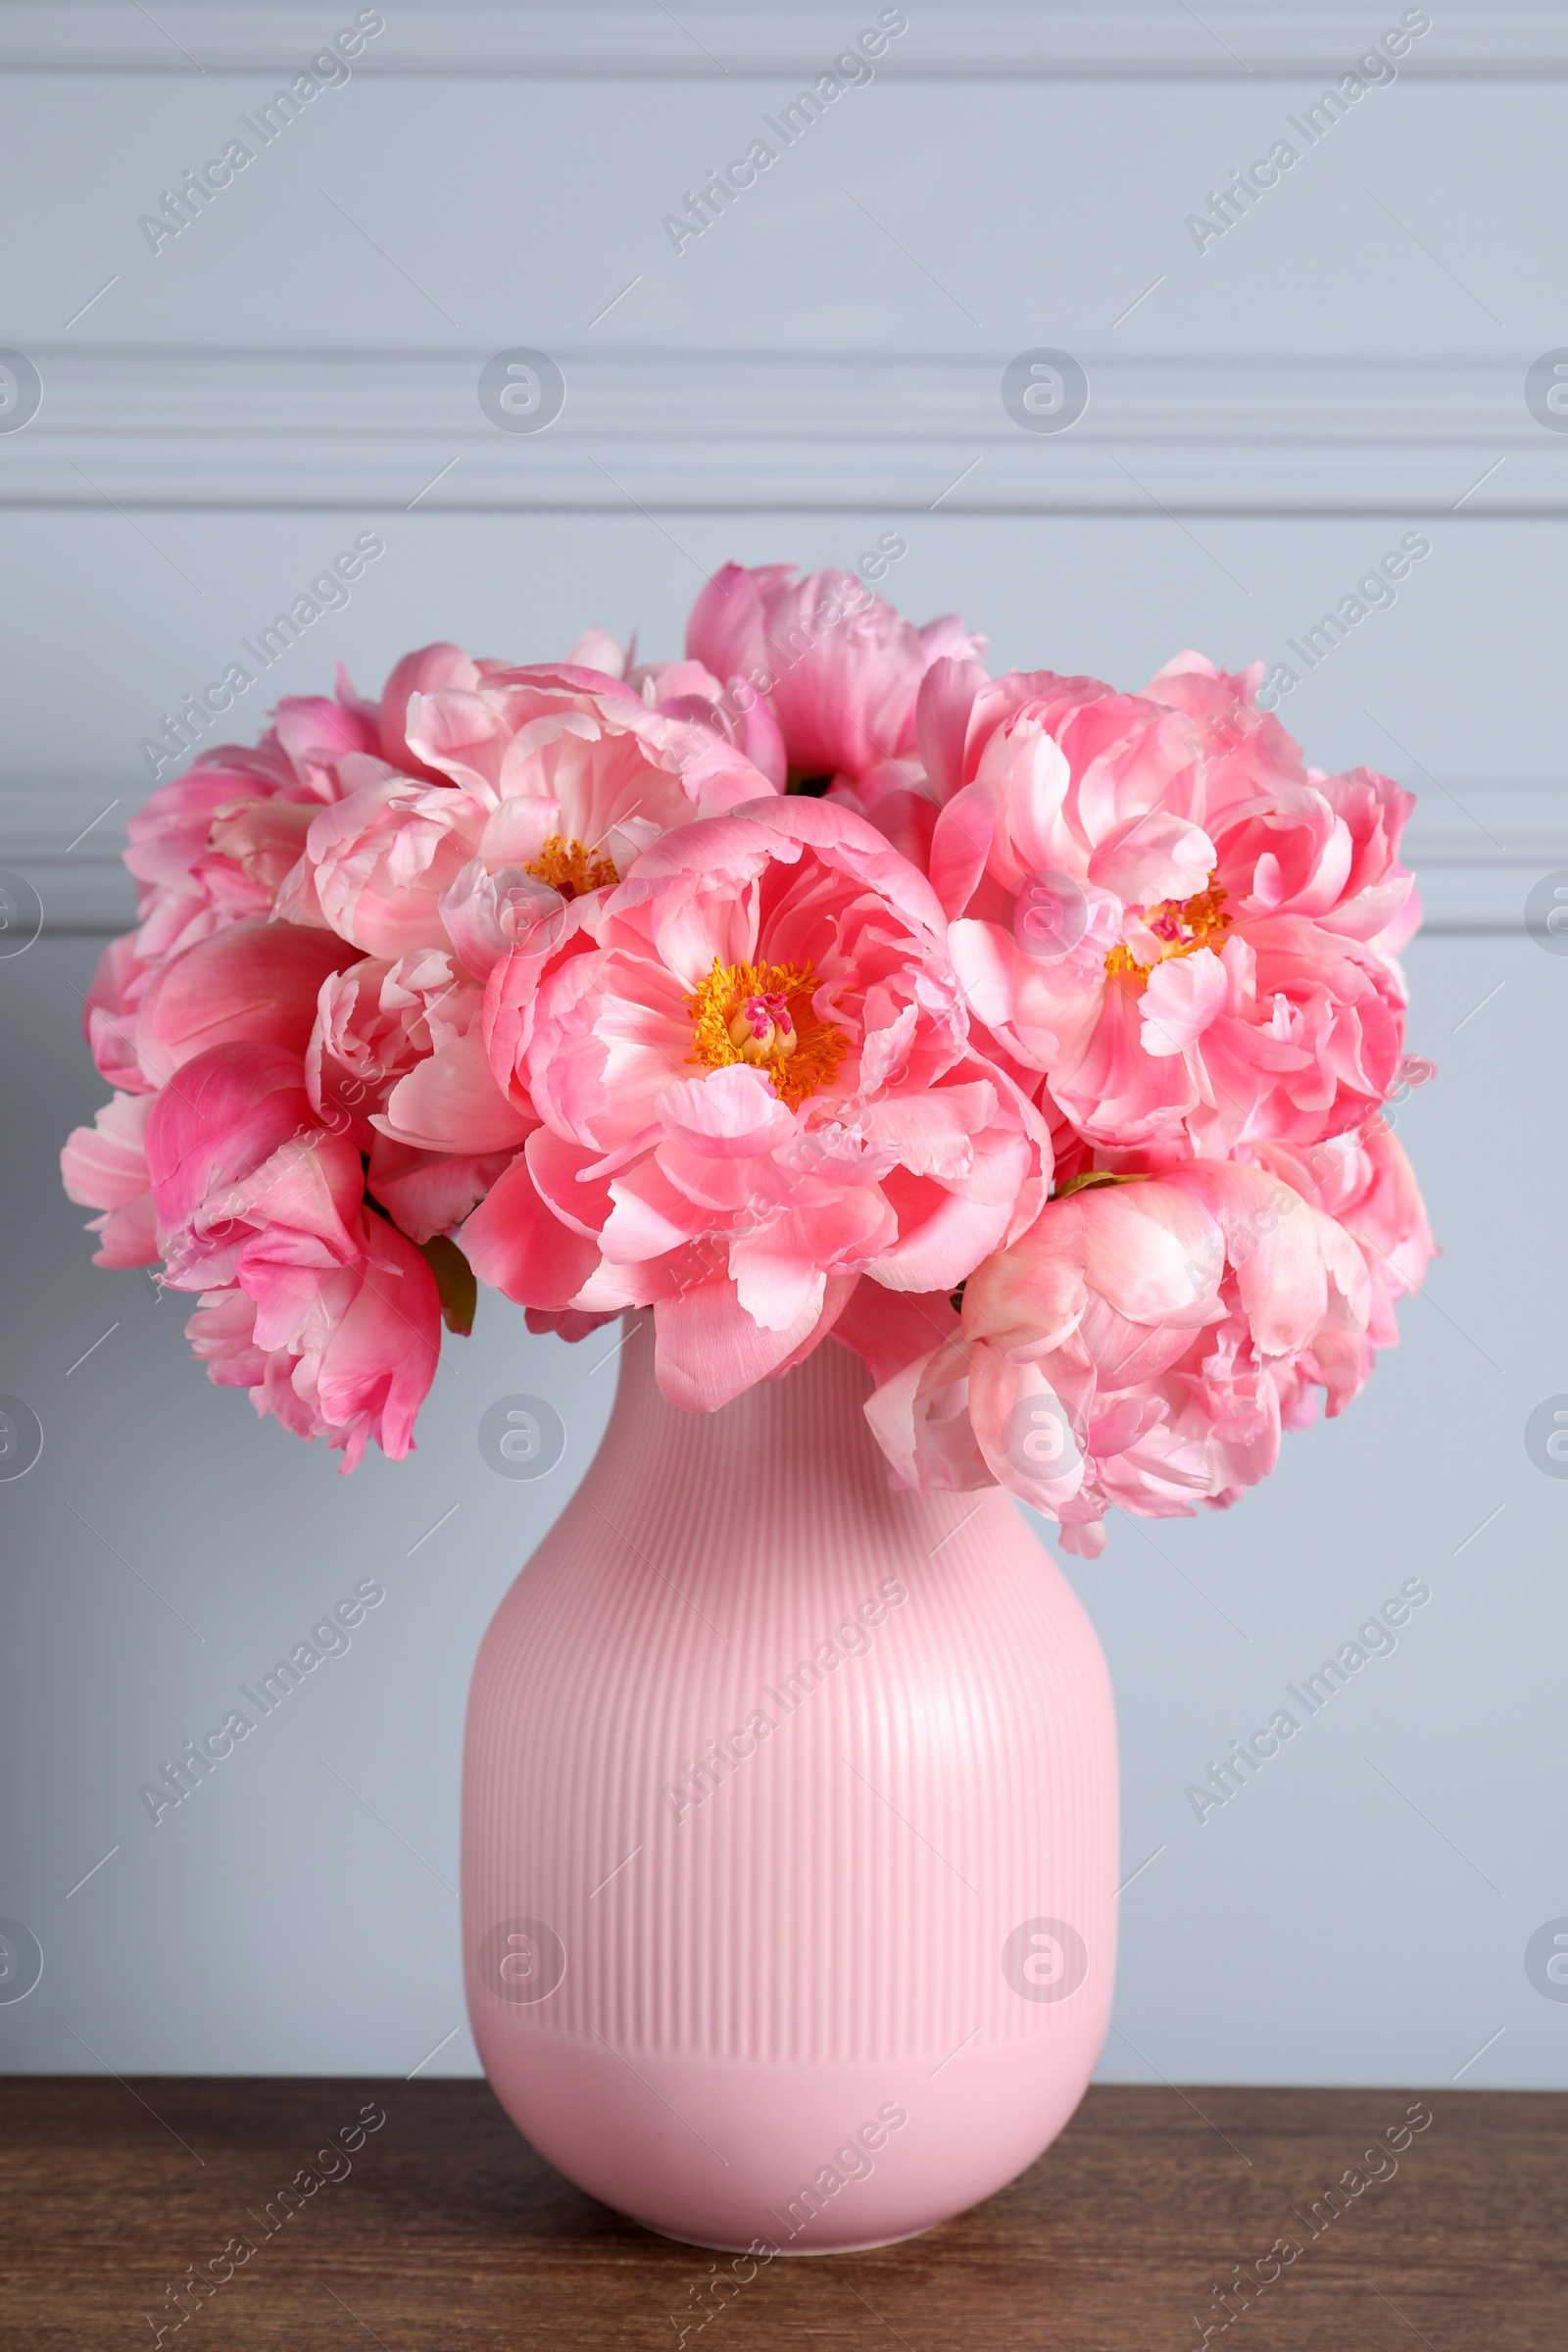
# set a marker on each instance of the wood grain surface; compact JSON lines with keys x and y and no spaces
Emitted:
{"x":445,"y":2229}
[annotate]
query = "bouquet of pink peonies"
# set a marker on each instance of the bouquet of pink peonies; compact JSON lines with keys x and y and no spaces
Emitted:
{"x":1028,"y":1038}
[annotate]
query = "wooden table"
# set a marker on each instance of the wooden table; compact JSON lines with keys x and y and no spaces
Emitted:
{"x":449,"y":2232}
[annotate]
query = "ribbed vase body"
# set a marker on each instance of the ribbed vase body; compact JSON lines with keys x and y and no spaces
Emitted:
{"x":788,"y":1830}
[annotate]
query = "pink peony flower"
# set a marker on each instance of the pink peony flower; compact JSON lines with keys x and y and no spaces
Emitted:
{"x":1140,"y":1348}
{"x":109,"y":1014}
{"x":542,"y":957}
{"x":840,"y":668}
{"x":1365,"y":1182}
{"x":210,"y":846}
{"x":754,"y":1083}
{"x":686,"y":690}
{"x":318,"y":1306}
{"x":347,"y":1354}
{"x":213,"y":847}
{"x":397,"y":1051}
{"x":1176,"y":927}
{"x":243,"y":1176}
{"x":553,"y":779}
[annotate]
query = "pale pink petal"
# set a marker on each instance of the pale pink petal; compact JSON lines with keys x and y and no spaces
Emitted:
{"x":597,"y":649}
{"x":781,"y":1266}
{"x":1153,"y":854}
{"x":920,"y":1417}
{"x":732,"y":1114}
{"x":708,"y":1348}
{"x":1183,"y":996}
{"x":451,"y":1103}
{"x":1024,"y":1430}
{"x":432,"y":670}
{"x":105,"y":1165}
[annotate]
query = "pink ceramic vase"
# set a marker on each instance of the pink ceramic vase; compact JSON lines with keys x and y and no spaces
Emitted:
{"x":789,"y":1836}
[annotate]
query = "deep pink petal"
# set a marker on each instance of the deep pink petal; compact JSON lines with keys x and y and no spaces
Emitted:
{"x":514,"y":1243}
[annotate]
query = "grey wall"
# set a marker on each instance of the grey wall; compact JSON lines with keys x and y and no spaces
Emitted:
{"x":1262,"y":426}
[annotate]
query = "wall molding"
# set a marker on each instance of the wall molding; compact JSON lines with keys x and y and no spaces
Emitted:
{"x":1233,"y":40}
{"x":370,"y":431}
{"x":1477,"y":849}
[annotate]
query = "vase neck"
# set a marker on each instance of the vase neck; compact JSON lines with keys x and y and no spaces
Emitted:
{"x":812,"y":1417}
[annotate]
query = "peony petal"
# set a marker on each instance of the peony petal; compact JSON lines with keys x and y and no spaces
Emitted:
{"x":708,"y":1348}
{"x":731,"y":1112}
{"x":428,"y":1193}
{"x":451,"y":1103}
{"x":1024,"y":1430}
{"x":960,"y":844}
{"x":105,"y":1165}
{"x":942,"y":714}
{"x":257,"y":982}
{"x":1184,"y":994}
{"x":1153,"y":854}
{"x":514,"y":1243}
{"x":380,"y":1360}
{"x":888,"y":1329}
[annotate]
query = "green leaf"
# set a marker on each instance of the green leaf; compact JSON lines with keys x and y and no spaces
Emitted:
{"x":1097,"y":1176}
{"x":454,"y":1280}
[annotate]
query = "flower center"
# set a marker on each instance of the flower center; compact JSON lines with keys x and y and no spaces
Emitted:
{"x":763,"y":1013}
{"x":1181,"y":926}
{"x":570,"y":867}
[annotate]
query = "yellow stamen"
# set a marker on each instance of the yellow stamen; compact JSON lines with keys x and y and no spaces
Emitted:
{"x":761,"y":1013}
{"x":571,"y":868}
{"x":1181,"y":926}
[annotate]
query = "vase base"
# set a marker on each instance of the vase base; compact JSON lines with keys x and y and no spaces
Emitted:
{"x":713,"y":2246}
